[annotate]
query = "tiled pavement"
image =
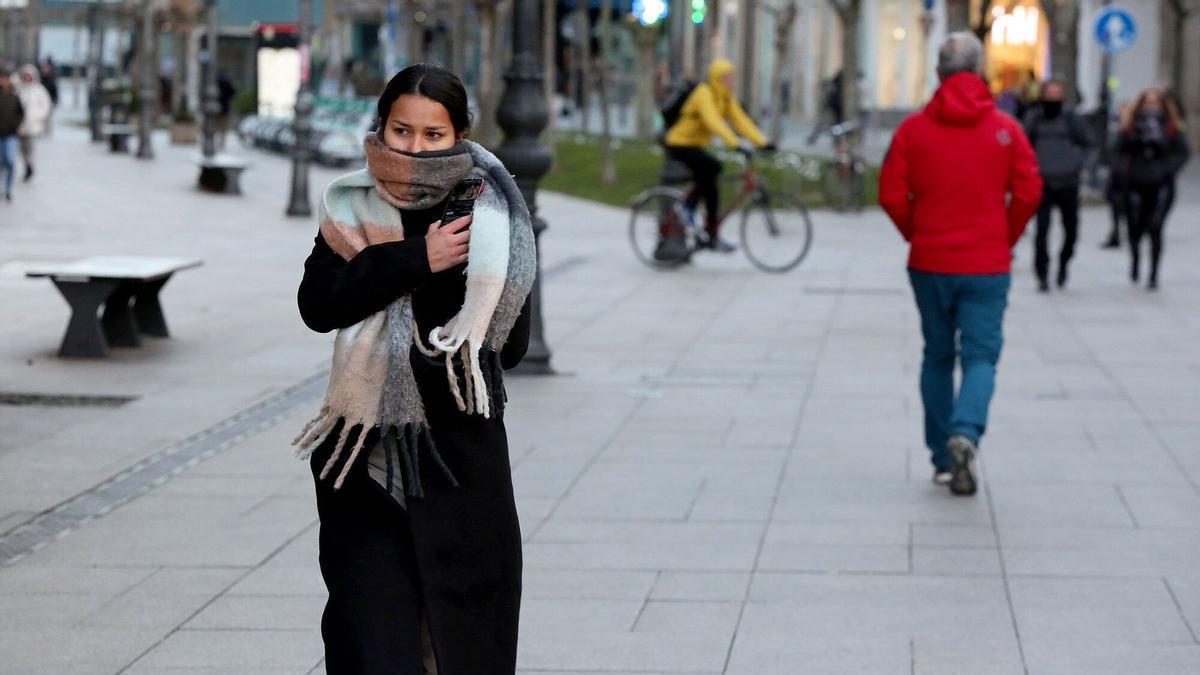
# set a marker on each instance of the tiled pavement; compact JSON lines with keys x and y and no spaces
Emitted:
{"x":725,"y":477}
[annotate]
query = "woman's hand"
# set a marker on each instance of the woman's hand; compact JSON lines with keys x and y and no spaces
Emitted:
{"x":447,"y":245}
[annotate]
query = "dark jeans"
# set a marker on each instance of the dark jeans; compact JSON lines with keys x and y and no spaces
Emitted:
{"x":705,"y":169}
{"x":1147,"y":207}
{"x":962,"y":317}
{"x":1066,"y":199}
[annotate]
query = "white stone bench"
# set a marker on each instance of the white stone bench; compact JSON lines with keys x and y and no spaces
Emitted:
{"x":126,"y":286}
{"x":221,"y":173}
{"x":118,"y":136}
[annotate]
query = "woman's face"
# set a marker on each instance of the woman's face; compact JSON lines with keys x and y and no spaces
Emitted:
{"x":419,"y":124}
{"x":1153,"y":103}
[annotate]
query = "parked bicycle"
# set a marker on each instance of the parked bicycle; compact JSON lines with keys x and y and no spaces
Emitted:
{"x":845,"y":181}
{"x":774,"y":230}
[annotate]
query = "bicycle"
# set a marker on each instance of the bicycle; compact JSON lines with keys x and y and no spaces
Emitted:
{"x":845,"y":181}
{"x":775,"y":230}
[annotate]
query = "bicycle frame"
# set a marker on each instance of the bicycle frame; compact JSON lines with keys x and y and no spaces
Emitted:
{"x":751,"y":183}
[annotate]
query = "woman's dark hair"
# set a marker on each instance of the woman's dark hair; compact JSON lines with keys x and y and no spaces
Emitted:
{"x":432,"y":82}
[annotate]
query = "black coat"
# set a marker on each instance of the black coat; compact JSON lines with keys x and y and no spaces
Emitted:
{"x":1150,"y":162}
{"x":456,"y":549}
{"x":11,"y":113}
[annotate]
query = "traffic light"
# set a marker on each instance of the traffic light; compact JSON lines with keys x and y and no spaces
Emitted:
{"x":649,"y":11}
{"x":699,"y":10}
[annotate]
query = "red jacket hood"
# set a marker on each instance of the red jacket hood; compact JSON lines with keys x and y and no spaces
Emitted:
{"x":962,"y":101}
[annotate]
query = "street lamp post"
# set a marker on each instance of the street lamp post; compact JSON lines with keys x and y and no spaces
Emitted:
{"x":523,"y":115}
{"x":298,"y":204}
{"x":208,"y":59}
{"x":146,"y":113}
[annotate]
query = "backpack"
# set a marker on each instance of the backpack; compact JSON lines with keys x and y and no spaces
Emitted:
{"x":673,"y":107}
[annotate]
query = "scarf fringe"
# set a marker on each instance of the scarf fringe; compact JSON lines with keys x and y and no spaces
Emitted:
{"x":402,"y":446}
{"x":481,"y":390}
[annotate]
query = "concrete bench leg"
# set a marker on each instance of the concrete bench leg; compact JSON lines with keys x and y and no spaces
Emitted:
{"x":148,"y":311}
{"x":85,"y":336}
{"x":117,"y":143}
{"x":118,"y":322}
{"x":221,"y":179}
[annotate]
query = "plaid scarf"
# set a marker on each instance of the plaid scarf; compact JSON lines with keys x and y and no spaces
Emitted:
{"x":371,"y":384}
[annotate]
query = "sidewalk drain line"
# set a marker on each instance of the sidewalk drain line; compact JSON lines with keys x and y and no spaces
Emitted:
{"x":155,"y":470}
{"x":11,"y":398}
{"x":563,"y":267}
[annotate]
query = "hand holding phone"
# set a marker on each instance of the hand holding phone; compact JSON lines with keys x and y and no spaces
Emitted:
{"x":462,"y":199}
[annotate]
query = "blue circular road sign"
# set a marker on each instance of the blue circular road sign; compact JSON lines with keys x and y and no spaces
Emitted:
{"x":1116,"y":30}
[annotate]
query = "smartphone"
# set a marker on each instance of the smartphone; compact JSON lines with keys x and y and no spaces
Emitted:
{"x":462,"y":199}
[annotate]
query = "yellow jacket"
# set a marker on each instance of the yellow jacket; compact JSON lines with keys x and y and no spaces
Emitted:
{"x":705,"y":113}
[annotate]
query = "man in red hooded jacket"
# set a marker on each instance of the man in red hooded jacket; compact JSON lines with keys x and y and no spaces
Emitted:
{"x":961,"y":182}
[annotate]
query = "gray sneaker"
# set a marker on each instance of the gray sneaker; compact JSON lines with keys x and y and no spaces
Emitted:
{"x":962,"y":478}
{"x":942,"y":476}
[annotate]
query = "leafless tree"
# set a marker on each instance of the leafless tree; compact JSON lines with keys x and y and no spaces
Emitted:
{"x":492,"y":16}
{"x":646,"y":41}
{"x":849,"y":12}
{"x":603,"y":81}
{"x":1183,"y":11}
{"x":785,"y":20}
{"x":1063,"y":18}
{"x":583,"y":61}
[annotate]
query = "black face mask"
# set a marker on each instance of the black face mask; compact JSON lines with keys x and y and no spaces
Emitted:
{"x":1052,"y":109}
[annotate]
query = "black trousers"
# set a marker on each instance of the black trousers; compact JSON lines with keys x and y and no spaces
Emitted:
{"x":1066,"y":200}
{"x":1147,"y":208}
{"x":705,"y":169}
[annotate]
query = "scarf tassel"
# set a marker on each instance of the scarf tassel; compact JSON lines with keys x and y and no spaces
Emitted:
{"x":477,"y":385}
{"x":402,"y":446}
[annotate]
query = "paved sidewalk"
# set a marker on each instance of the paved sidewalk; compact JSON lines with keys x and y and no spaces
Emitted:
{"x":726,"y":476}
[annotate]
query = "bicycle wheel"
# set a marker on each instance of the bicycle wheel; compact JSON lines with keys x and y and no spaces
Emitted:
{"x":658,"y":236}
{"x":776,"y":232}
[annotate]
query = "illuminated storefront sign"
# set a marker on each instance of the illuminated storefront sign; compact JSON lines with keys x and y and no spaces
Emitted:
{"x":1017,"y":28}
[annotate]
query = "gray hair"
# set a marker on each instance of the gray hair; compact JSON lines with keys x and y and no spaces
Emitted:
{"x":962,"y":52}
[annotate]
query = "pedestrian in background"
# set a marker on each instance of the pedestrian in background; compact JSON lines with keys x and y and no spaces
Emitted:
{"x":420,"y":546}
{"x":1061,"y":142}
{"x":1153,"y":149}
{"x":38,"y":107}
{"x":1115,"y":191}
{"x":960,"y":181}
{"x":49,"y":75}
{"x":11,"y":116}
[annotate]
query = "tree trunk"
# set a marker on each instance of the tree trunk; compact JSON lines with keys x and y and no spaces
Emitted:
{"x":1063,"y":18}
{"x":487,"y":87}
{"x":416,"y":34}
{"x":849,"y":11}
{"x":958,"y":15}
{"x":747,"y":78}
{"x":646,"y":39}
{"x":603,"y":70}
{"x":458,"y":37}
{"x":784,"y":22}
{"x":583,"y":60}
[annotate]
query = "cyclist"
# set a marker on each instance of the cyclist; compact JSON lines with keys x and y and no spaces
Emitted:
{"x":710,"y":109}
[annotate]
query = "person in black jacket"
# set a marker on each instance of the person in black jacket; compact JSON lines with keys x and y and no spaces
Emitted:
{"x":1061,"y":142}
{"x":1152,"y":149}
{"x":426,"y":578}
{"x":11,"y":116}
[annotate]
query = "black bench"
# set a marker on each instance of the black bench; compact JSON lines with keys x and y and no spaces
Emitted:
{"x":118,"y":136}
{"x":127,"y":287}
{"x":222,"y":173}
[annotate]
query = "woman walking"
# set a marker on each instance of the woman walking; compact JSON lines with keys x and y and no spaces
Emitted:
{"x":1152,"y":149}
{"x":38,"y":109}
{"x":420,"y":547}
